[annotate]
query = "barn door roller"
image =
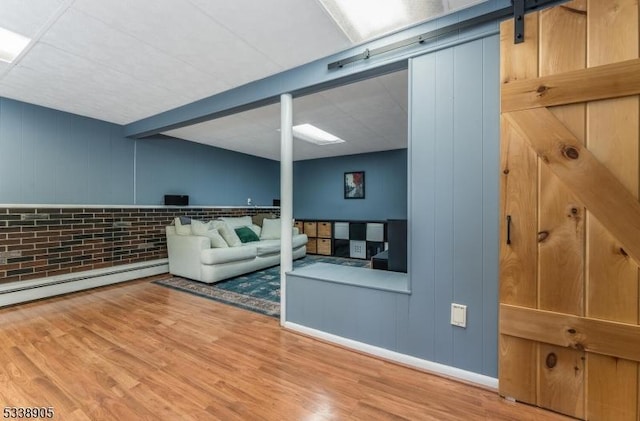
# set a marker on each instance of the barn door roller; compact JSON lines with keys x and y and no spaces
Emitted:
{"x":518,"y":21}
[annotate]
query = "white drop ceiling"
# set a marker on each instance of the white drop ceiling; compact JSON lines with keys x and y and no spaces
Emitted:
{"x":370,"y":116}
{"x":124,"y":60}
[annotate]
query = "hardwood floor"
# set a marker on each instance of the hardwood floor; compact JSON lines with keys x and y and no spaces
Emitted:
{"x":141,"y":351}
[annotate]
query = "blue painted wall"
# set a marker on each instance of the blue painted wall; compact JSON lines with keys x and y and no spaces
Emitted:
{"x":453,"y":224}
{"x":208,"y":175}
{"x":454,"y":203}
{"x":48,"y":156}
{"x":52,"y":157}
{"x":318,"y":187}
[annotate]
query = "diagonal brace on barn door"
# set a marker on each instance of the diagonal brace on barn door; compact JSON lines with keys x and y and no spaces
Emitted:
{"x":588,"y":179}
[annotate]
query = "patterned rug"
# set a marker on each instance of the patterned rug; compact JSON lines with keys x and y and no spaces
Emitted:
{"x":256,"y":291}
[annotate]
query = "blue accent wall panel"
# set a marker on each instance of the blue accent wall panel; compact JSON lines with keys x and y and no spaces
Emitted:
{"x":422,"y":148}
{"x":10,"y":149}
{"x":44,"y":137}
{"x":72,"y":176}
{"x":318,"y":187}
{"x":453,"y":164}
{"x":490,"y":203}
{"x":443,"y":79}
{"x":99,"y":153}
{"x":467,"y":204}
{"x":364,"y":315}
{"x":52,"y":157}
{"x":121,"y":170}
{"x":207,"y":174}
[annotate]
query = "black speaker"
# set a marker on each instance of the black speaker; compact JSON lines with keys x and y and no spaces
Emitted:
{"x":176,"y":200}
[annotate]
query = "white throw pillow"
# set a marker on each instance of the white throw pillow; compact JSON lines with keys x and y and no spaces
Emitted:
{"x":229,"y":235}
{"x":182,"y":229}
{"x":257,"y":229}
{"x":200,"y":228}
{"x":270,"y":229}
{"x":217,"y":241}
{"x":237,"y":221}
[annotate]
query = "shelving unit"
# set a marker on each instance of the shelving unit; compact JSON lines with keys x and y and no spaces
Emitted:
{"x":354,"y":239}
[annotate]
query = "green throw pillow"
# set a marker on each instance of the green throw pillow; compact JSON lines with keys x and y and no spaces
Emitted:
{"x":246,"y":234}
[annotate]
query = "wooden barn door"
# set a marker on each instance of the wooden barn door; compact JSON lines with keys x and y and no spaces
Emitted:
{"x":570,"y":242}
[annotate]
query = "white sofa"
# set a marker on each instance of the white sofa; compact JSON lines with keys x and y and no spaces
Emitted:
{"x":194,"y":256}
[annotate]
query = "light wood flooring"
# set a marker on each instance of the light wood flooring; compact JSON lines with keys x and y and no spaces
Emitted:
{"x":141,"y":351}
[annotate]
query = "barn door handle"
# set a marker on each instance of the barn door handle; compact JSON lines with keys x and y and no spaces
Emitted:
{"x":508,"y":229}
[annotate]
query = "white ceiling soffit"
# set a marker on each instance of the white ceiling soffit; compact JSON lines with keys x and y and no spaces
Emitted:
{"x":123,"y":60}
{"x":370,"y":116}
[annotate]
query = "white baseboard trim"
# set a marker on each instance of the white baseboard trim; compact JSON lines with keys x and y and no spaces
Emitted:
{"x":418,"y":363}
{"x":22,"y":291}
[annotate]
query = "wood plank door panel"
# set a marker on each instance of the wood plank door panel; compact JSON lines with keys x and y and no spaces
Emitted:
{"x":612,"y":136}
{"x":518,"y":192}
{"x":561,"y":258}
{"x":561,"y":219}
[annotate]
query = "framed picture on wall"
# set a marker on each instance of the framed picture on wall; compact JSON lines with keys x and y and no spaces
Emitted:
{"x":354,"y":185}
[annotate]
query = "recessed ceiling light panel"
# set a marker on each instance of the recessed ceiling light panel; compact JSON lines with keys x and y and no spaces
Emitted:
{"x":362,"y":20}
{"x":310,"y":133}
{"x":11,"y":45}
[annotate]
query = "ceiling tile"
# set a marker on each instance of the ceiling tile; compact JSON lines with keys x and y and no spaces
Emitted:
{"x":90,"y":38}
{"x":184,"y":31}
{"x":83,"y":87}
{"x":26,"y":17}
{"x":291,"y":32}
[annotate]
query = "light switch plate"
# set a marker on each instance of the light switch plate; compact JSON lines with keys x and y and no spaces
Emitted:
{"x":458,"y":315}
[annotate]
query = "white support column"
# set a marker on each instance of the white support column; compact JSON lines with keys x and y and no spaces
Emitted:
{"x":286,"y":197}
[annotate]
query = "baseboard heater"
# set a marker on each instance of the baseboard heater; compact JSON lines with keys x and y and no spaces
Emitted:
{"x":22,"y":291}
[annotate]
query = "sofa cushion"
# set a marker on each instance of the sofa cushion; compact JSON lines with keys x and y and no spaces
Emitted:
{"x":246,"y":234}
{"x":270,"y":229}
{"x":229,"y":235}
{"x":237,"y":221}
{"x":217,"y":241}
{"x":265,"y":247}
{"x":257,"y":229}
{"x":226,"y":255}
{"x":299,"y":240}
{"x":182,"y":229}
{"x":207,"y":229}
{"x":199,"y":227}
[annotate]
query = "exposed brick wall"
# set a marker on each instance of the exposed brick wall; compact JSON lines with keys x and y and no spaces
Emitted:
{"x":41,"y":242}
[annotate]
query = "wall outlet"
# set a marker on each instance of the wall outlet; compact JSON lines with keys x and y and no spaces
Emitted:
{"x":249,"y":201}
{"x":458,"y":315}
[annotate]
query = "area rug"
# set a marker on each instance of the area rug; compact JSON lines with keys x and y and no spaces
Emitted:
{"x":256,"y":291}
